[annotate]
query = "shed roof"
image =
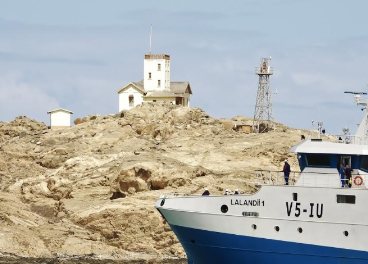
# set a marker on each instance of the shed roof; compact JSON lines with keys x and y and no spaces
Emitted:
{"x":59,"y":110}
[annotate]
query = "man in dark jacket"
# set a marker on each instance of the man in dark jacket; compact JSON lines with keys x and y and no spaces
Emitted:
{"x":286,"y":171}
{"x":348,"y":172}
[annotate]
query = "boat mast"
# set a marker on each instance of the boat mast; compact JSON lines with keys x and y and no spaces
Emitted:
{"x":361,"y":135}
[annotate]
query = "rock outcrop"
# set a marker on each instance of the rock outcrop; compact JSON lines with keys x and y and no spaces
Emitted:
{"x":89,"y":190}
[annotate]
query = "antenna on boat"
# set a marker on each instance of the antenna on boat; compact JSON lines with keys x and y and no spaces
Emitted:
{"x":361,"y":134}
{"x":346,"y":136}
{"x":320,"y":128}
{"x":357,"y":98}
{"x":355,"y":92}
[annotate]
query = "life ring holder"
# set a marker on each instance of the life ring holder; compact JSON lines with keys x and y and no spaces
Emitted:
{"x":358,"y":180}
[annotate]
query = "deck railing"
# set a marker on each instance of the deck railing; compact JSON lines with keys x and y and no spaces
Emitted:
{"x":173,"y":195}
{"x":343,"y":139}
{"x":310,"y":178}
{"x":264,"y":177}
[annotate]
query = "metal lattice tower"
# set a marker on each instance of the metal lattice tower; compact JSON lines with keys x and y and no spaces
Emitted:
{"x":263,"y":117}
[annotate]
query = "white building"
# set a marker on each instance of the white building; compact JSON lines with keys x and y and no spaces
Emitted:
{"x":155,"y":86}
{"x":60,"y":118}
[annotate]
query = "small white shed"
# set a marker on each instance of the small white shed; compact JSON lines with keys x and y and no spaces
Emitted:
{"x":60,"y":118}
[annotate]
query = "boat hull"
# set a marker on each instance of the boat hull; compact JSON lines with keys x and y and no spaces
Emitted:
{"x":204,"y":247}
{"x":274,"y":225}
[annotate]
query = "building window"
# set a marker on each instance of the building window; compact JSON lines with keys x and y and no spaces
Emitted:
{"x":149,"y":75}
{"x":159,"y":83}
{"x":159,"y":67}
{"x":131,"y":100}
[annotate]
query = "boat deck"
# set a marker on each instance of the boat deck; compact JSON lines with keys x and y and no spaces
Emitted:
{"x":312,"y":177}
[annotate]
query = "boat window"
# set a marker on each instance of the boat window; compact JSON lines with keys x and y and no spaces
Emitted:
{"x":350,"y":199}
{"x":364,"y":164}
{"x":320,"y":160}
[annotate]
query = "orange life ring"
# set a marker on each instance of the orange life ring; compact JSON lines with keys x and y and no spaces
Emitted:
{"x":358,"y":180}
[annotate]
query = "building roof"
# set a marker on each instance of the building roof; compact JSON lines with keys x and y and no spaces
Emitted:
{"x":59,"y":110}
{"x":157,"y":56}
{"x":160,"y":94}
{"x":136,"y":85}
{"x":176,"y":88}
{"x":140,"y":84}
{"x":180,"y":87}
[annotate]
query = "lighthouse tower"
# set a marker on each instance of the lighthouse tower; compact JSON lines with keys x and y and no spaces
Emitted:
{"x":263,"y":117}
{"x":156,"y":72}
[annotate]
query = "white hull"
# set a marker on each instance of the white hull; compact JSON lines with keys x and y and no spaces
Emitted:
{"x":301,"y":218}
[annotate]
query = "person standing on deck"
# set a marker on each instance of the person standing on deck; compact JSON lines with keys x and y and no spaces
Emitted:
{"x":342,"y":175}
{"x":348,"y":172}
{"x":286,"y":171}
{"x":206,"y":192}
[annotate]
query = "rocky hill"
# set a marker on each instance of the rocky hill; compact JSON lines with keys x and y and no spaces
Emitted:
{"x":89,"y":190}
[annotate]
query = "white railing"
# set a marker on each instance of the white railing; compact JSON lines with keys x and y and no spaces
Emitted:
{"x":343,"y":139}
{"x":320,"y":179}
{"x":173,"y":195}
{"x":261,"y":70}
{"x":263,"y":177}
{"x":316,"y":179}
{"x":351,"y":139}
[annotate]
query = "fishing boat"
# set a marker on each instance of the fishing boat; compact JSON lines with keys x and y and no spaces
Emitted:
{"x":317,"y":218}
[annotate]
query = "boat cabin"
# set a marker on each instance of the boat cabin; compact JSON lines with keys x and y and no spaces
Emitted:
{"x":320,"y":161}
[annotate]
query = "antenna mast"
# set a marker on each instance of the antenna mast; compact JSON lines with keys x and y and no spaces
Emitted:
{"x":150,"y":41}
{"x":361,"y":135}
{"x":263,"y":109}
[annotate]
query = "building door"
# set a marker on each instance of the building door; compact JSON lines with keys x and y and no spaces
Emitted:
{"x":131,"y":100}
{"x":179,"y":101}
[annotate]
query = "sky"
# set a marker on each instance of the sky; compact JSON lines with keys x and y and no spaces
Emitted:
{"x":77,"y":55}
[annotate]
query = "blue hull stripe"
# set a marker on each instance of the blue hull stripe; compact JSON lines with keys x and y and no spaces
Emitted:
{"x":207,"y":247}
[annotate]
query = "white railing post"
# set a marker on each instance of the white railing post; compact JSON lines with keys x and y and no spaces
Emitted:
{"x":270,"y":178}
